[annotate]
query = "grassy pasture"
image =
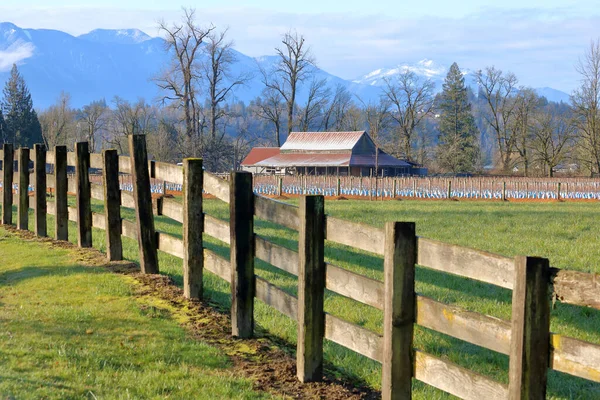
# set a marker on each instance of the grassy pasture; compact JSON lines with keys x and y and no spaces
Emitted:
{"x":566,"y":233}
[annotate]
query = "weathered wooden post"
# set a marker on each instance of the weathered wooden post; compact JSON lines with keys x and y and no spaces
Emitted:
{"x":530,"y":337}
{"x":61,"y":184}
{"x":311,"y":289}
{"x":241,"y":211}
{"x":558,"y":191}
{"x":23,"y":205}
{"x":41,"y":207}
{"x":279,"y":186}
{"x":112,"y":204}
{"x":338,"y":187}
{"x":193,"y":226}
{"x":83,"y":195}
{"x":449,"y":194}
{"x":394,"y":188}
{"x":147,"y":242}
{"x":8,"y":160}
{"x":504,"y":191}
{"x":399,"y":309}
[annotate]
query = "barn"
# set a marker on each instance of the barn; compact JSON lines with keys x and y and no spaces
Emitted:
{"x":328,"y":153}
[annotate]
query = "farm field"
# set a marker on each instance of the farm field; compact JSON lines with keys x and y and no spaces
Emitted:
{"x":565,"y":233}
{"x":73,"y":331}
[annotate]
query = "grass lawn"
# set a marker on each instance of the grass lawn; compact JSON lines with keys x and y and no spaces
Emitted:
{"x":566,"y":233}
{"x":70,"y":331}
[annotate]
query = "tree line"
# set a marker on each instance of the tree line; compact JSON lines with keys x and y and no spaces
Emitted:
{"x":501,"y":127}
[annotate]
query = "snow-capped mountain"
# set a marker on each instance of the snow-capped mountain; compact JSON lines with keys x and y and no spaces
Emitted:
{"x":437,"y":73}
{"x":105,"y":63}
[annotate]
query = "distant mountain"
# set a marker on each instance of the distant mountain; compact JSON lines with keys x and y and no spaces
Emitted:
{"x":106,"y":63}
{"x":437,"y":73}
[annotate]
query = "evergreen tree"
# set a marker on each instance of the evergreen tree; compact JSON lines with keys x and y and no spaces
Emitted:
{"x":3,"y":132}
{"x":21,"y":122}
{"x":458,"y":149}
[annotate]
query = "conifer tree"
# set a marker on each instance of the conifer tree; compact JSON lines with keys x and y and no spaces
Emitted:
{"x":458,"y":149}
{"x":3,"y":132}
{"x":21,"y":122}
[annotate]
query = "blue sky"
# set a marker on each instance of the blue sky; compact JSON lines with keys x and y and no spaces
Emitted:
{"x":539,"y":40}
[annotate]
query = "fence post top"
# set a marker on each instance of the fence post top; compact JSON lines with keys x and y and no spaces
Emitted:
{"x":193,"y":160}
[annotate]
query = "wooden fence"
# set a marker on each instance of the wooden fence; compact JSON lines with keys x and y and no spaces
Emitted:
{"x":526,"y":339}
{"x":478,"y":188}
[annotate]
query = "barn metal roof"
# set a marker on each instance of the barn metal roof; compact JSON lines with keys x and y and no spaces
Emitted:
{"x":258,"y":154}
{"x":332,"y":160}
{"x":324,"y":141}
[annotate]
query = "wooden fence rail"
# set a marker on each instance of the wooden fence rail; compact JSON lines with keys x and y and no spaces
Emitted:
{"x":526,"y":339}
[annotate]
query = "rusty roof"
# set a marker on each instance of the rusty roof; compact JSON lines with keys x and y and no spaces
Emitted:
{"x":324,"y":141}
{"x":332,"y":160}
{"x":258,"y":154}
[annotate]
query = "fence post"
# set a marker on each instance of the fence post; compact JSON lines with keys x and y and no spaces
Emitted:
{"x":279,"y":186}
{"x":23,"y":205}
{"x":193,"y":226}
{"x":7,"y":183}
{"x":147,"y":242}
{"x":83,"y":195}
{"x":241,"y":211}
{"x":61,"y":211}
{"x":112,"y":205}
{"x":558,"y":191}
{"x":311,"y":289}
{"x":41,"y":208}
{"x":399,"y":309}
{"x":338,"y":187}
{"x":530,"y":338}
{"x":449,"y":195}
{"x":504,"y":191}
{"x":394,"y":188}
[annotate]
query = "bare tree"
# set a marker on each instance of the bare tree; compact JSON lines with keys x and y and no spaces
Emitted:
{"x":497,"y":90}
{"x":318,"y":97}
{"x":57,"y":122}
{"x":411,"y":99}
{"x":94,"y":119}
{"x":552,"y":135}
{"x":526,"y":102}
{"x":585,"y":103}
{"x":129,"y":119}
{"x":336,"y":112}
{"x":270,"y":108}
{"x":184,"y":41}
{"x":294,"y":67}
{"x":216,"y":71}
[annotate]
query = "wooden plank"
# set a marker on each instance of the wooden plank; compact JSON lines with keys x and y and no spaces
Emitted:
{"x":50,"y":182}
{"x":72,"y":184}
{"x":481,"y":330}
{"x":170,"y":244}
{"x":530,"y":339}
{"x":127,"y":199}
{"x":61,"y":220}
{"x":143,"y":204}
{"x":311,"y":289}
{"x":241,"y":211}
{"x":99,"y":221}
{"x":83,"y":195}
{"x":469,"y":263}
{"x":361,"y":236}
{"x":398,"y":309}
{"x":50,"y":157}
{"x":217,"y":265}
{"x":578,"y":288}
{"x":216,"y":186}
{"x":456,"y":380}
{"x":354,"y":337}
{"x":129,"y":229}
{"x":278,"y":256}
{"x":8,"y":157}
{"x":96,"y":161}
{"x":277,"y":212}
{"x":111,"y":195}
{"x":355,"y":286}
{"x":71,"y":159}
{"x":217,"y":228}
{"x":168,"y":172}
{"x":275,"y":297}
{"x":97,"y":191}
{"x":193,"y":226}
{"x":23,"y":203}
{"x":174,"y":210}
{"x":41,"y":226}
{"x":72,"y":213}
{"x":51,"y":208}
{"x":575,"y":357}
{"x":125,"y":165}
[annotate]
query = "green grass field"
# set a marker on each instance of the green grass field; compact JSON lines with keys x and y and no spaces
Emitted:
{"x":566,"y":233}
{"x":70,"y":331}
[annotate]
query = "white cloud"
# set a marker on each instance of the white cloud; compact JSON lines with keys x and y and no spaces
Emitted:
{"x":15,"y":54}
